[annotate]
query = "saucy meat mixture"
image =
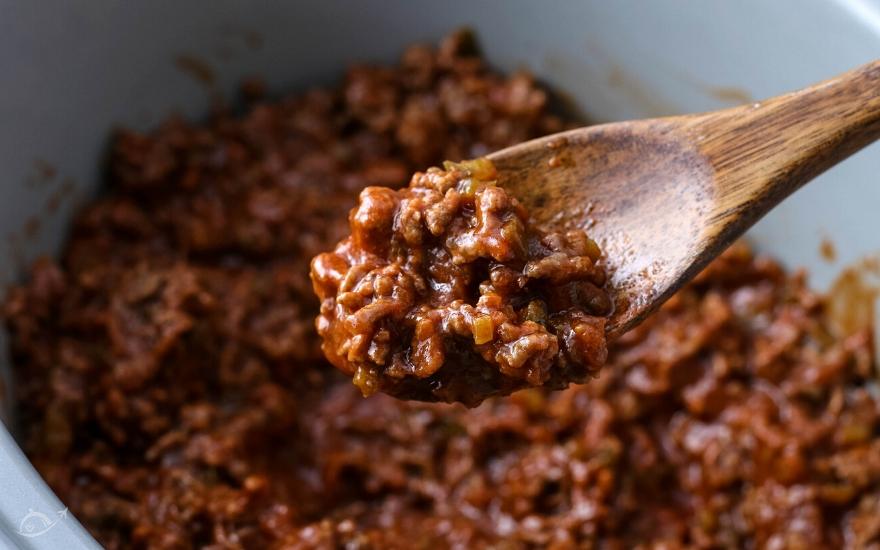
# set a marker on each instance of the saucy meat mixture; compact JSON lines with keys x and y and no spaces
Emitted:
{"x":173,"y":393}
{"x":446,"y":292}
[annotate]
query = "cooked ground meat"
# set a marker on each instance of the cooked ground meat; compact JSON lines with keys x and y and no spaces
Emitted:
{"x":172,"y":391}
{"x":446,"y":292}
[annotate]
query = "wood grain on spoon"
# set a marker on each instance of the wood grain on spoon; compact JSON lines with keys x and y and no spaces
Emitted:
{"x":668,"y":195}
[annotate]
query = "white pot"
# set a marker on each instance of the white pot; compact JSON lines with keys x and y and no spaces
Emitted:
{"x":72,"y":71}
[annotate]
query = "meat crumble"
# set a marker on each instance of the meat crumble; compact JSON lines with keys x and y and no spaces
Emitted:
{"x":172,"y":391}
{"x":446,"y":292}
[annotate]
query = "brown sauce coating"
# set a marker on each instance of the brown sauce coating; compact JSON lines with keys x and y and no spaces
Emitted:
{"x":171,"y":387}
{"x":446,"y":292}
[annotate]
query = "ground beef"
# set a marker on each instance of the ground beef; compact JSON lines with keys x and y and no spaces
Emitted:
{"x":172,"y":391}
{"x":446,"y":292}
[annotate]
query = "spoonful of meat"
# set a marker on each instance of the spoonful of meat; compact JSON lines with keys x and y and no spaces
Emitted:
{"x":496,"y":274}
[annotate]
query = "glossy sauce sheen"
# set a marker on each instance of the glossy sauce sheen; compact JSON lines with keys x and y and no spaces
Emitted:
{"x":172,"y":391}
{"x":446,"y":291}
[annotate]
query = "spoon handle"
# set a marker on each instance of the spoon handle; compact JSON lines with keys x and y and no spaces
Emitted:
{"x":763,"y":152}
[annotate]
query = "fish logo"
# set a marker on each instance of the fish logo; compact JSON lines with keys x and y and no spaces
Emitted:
{"x":35,"y":523}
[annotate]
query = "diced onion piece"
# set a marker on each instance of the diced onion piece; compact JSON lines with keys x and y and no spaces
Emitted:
{"x":480,"y":169}
{"x":468,"y":187}
{"x":536,"y":311}
{"x":365,"y":379}
{"x":593,"y":250}
{"x":484,"y":330}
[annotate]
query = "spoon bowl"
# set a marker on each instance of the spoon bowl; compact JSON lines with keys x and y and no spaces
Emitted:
{"x":663,"y":197}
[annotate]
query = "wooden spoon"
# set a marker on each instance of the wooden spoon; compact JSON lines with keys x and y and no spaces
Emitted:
{"x":665,"y":196}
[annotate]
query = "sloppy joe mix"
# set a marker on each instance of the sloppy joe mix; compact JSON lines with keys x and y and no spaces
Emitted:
{"x":173,"y":392}
{"x":446,"y":292}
